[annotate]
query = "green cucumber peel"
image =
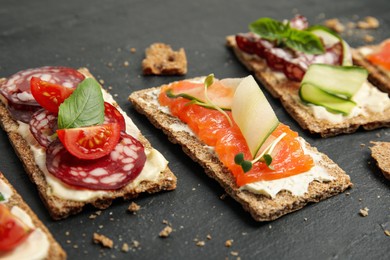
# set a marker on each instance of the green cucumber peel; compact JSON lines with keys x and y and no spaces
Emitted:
{"x":84,"y":107}
{"x":299,"y":40}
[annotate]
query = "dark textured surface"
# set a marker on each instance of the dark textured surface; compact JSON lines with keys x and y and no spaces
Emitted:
{"x":95,"y":33}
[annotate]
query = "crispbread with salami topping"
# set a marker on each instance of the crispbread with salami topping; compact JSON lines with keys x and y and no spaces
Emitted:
{"x":55,"y":249}
{"x":261,"y":207}
{"x":59,"y":207}
{"x":287,"y":91}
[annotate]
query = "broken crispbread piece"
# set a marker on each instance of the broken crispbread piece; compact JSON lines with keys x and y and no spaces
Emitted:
{"x":381,"y":153}
{"x":261,"y":207}
{"x":61,"y":207}
{"x":288,"y":92}
{"x":162,"y":60}
{"x":55,"y":250}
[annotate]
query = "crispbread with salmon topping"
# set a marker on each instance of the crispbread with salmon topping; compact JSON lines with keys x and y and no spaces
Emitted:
{"x":287,"y":91}
{"x":261,"y":207}
{"x":55,"y":250}
{"x":60,"y":208}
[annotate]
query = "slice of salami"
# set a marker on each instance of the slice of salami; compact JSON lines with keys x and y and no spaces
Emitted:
{"x":112,"y":115}
{"x":110,"y":172}
{"x":16,"y":89}
{"x":43,"y":125}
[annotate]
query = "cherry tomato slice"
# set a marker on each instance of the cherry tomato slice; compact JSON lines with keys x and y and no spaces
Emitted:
{"x":91,"y":142}
{"x":12,"y":230}
{"x":49,"y":95}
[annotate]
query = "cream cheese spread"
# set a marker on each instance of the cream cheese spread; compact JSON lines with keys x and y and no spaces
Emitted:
{"x":35,"y":247}
{"x":154,"y":165}
{"x":6,"y":191}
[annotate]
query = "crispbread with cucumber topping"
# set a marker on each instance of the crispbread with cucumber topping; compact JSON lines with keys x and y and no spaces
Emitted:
{"x":282,"y":70}
{"x":206,"y":138}
{"x":66,"y":182}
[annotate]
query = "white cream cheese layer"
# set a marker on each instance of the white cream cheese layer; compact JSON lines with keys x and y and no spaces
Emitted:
{"x":6,"y":191}
{"x":154,"y":165}
{"x":368,"y":99}
{"x":298,"y":184}
{"x":35,"y":247}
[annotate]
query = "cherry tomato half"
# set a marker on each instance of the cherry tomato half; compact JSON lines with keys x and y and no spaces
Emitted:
{"x":91,"y":142}
{"x":49,"y":95}
{"x":12,"y":230}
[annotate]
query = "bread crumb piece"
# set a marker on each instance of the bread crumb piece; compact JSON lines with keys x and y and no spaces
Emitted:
{"x":362,"y":145}
{"x":208,"y":237}
{"x":347,"y":193}
{"x":133,"y":50}
{"x":234,"y":253}
{"x":101,"y":81}
{"x":125,"y":247}
{"x":109,"y":64}
{"x":133,"y":207}
{"x":165,"y":222}
{"x":162,"y":60}
{"x":387,"y":233}
{"x":223,"y":196}
{"x":135,"y":244}
{"x":229,"y":243}
{"x":126,"y":64}
{"x":165,"y":232}
{"x":103,"y":240}
{"x":364,"y":212}
{"x":368,"y":22}
{"x":305,"y":219}
{"x":200,"y":243}
{"x":67,"y":233}
{"x":368,"y":38}
{"x":335,"y":25}
{"x":99,"y":212}
{"x":92,"y":216}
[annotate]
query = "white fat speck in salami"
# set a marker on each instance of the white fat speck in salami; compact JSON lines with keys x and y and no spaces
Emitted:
{"x":43,"y":125}
{"x":110,"y":172}
{"x":16,"y":89}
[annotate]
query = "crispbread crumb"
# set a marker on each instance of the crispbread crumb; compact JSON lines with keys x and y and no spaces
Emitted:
{"x":364,"y":212}
{"x":162,"y":60}
{"x":208,"y":237}
{"x":135,"y":244}
{"x":103,"y":240}
{"x":125,"y":247}
{"x":200,"y":243}
{"x":223,"y":196}
{"x":229,"y":243}
{"x":165,"y":232}
{"x":126,"y":63}
{"x":368,"y":22}
{"x":234,"y":253}
{"x":133,"y":50}
{"x":387,"y":232}
{"x":133,"y":207}
{"x":335,"y":25}
{"x":368,"y":38}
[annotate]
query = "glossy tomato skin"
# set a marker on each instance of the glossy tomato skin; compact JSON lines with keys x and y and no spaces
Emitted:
{"x":48,"y":95}
{"x":12,"y":230}
{"x":91,"y":142}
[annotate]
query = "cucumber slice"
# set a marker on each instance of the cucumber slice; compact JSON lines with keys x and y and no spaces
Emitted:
{"x":330,"y":38}
{"x":220,"y":93}
{"x":337,"y":80}
{"x":314,"y":95}
{"x":253,"y":114}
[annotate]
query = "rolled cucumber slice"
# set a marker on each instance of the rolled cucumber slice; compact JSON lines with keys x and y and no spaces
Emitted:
{"x":342,"y":81}
{"x":315,"y":95}
{"x":330,"y":38}
{"x":253,"y":114}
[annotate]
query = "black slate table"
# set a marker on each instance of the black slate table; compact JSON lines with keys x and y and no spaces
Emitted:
{"x":98,"y":34}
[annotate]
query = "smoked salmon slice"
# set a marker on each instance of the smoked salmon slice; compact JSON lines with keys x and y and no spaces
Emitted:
{"x":214,"y":129}
{"x":381,"y":57}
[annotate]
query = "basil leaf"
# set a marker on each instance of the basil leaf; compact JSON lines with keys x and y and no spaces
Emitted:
{"x":299,"y":40}
{"x":84,"y":107}
{"x":269,"y":29}
{"x":2,"y":197}
{"x":304,"y":41}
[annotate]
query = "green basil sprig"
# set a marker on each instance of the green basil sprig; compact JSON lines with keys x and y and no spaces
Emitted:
{"x":84,"y":107}
{"x":283,"y":34}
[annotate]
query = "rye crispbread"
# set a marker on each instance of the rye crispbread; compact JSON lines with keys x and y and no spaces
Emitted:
{"x":261,"y":207}
{"x":287,"y":91}
{"x":377,"y":75}
{"x":381,"y":153}
{"x":60,"y":208}
{"x":162,"y":60}
{"x":56,"y":252}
